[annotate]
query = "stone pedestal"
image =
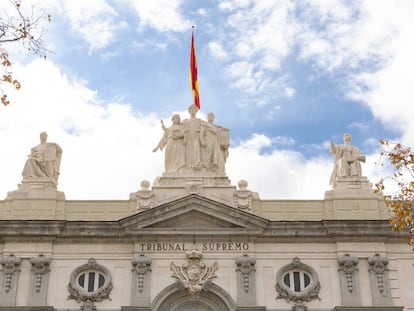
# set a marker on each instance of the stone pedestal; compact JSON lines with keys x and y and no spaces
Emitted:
{"x":354,"y":198}
{"x":171,"y":186}
{"x":36,"y":198}
{"x":38,"y":183}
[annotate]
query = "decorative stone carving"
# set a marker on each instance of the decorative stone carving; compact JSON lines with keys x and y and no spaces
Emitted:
{"x":245,"y":265}
{"x":347,"y":161}
{"x":39,"y":280}
{"x":41,"y":170}
{"x":141,"y":281}
{"x":243,"y":196}
{"x":194,"y":145}
{"x":246,"y":279}
{"x":286,"y":279}
{"x":145,"y":196}
{"x":99,"y":290}
{"x":348,"y":270}
{"x":10,"y":275}
{"x":380,"y":283}
{"x":194,"y":275}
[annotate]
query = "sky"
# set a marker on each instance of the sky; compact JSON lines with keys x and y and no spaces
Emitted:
{"x":286,"y":77}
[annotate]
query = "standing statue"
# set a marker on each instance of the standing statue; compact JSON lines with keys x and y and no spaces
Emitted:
{"x":43,"y":160}
{"x":347,"y":160}
{"x":173,"y":141}
{"x":194,"y":145}
{"x":210,"y":144}
{"x":192,"y":140}
{"x":215,"y":140}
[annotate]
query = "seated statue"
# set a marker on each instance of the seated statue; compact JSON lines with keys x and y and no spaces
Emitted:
{"x":43,"y":161}
{"x":347,"y":160}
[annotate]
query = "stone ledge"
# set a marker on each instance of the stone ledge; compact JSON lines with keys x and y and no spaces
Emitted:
{"x":330,"y":230}
{"x":368,"y":308}
{"x":27,"y":309}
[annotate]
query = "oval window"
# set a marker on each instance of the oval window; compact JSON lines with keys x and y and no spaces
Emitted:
{"x":91,"y":281}
{"x":297,"y":280}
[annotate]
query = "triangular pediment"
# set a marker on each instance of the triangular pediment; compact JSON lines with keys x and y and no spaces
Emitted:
{"x":194,"y":219}
{"x":194,"y":212}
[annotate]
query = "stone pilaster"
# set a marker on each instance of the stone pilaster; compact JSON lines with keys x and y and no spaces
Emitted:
{"x":39,"y":281}
{"x":380,"y":284}
{"x":348,"y":272}
{"x":141,"y":281}
{"x":9,"y":279}
{"x":246,"y":280}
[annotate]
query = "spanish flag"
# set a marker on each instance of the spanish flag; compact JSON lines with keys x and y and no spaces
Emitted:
{"x":193,"y":73}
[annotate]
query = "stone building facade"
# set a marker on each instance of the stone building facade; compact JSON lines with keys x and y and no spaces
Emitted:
{"x":191,"y":241}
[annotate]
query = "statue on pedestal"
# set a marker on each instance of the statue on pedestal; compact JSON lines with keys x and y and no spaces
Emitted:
{"x":43,"y":161}
{"x":194,"y":145}
{"x":347,"y":160}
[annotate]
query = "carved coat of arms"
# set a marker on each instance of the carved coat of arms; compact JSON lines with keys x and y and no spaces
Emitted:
{"x":194,"y":275}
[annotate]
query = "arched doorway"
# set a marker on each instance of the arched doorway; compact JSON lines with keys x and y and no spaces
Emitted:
{"x":175,"y":298}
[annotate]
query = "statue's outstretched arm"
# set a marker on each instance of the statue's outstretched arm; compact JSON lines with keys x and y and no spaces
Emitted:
{"x":332,"y":148}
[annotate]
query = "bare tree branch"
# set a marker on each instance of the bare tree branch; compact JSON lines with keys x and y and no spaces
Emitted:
{"x":16,"y":27}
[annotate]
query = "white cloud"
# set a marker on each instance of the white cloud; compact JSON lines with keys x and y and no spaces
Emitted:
{"x":217,"y":50}
{"x":106,"y":147}
{"x":344,"y":36}
{"x":281,"y":174}
{"x":149,"y":43}
{"x":264,"y":32}
{"x":96,"y":21}
{"x":289,"y":91}
{"x":388,"y":91}
{"x":233,"y":4}
{"x":259,"y":37}
{"x":202,"y":12}
{"x":366,"y":44}
{"x":283,"y":141}
{"x":162,"y":15}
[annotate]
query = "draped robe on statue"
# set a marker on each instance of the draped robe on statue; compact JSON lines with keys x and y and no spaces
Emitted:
{"x":44,"y":161}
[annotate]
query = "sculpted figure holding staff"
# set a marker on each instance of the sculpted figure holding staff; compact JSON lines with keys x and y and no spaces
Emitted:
{"x":173,"y":141}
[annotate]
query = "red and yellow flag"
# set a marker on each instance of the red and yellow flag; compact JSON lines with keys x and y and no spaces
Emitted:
{"x":193,"y":73}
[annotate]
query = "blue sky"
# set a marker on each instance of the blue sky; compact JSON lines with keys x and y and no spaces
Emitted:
{"x":285,"y":76}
